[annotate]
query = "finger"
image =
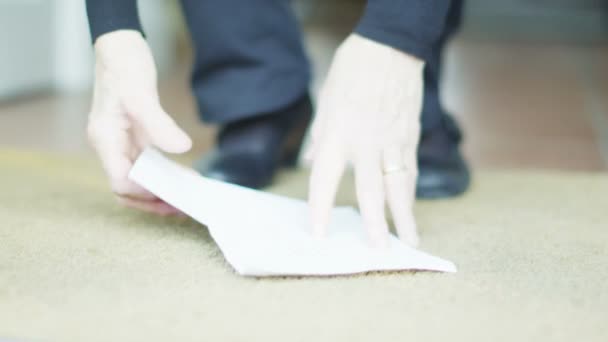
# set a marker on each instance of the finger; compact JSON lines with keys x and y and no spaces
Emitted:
{"x":140,"y":138}
{"x":325,"y":107}
{"x":370,"y":195}
{"x":111,"y":139}
{"x":309,"y":153}
{"x":126,"y":188}
{"x":317,"y":127}
{"x":327,"y":169}
{"x":400,"y":192}
{"x":159,"y":128}
{"x":155,"y":206}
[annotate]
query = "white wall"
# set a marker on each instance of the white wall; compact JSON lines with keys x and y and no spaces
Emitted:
{"x":45,"y":44}
{"x":25,"y":42}
{"x":72,"y":52}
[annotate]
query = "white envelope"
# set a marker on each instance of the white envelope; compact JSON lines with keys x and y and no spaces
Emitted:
{"x":263,"y":234}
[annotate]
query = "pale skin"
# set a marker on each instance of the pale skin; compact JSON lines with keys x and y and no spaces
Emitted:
{"x":126,"y":116}
{"x":368,"y":116}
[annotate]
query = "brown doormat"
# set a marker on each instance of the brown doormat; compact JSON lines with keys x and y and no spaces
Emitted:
{"x":531,"y":248}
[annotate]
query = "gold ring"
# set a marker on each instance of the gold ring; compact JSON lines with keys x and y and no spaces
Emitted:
{"x":393,"y":169}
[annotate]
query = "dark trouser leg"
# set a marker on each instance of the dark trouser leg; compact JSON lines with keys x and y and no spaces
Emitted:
{"x":249,"y":58}
{"x":432,"y":111}
{"x":251,"y":77}
{"x":442,"y":170}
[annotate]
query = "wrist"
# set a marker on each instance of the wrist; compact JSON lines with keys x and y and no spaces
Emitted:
{"x":122,"y":51}
{"x":394,"y":55}
{"x":118,"y":42}
{"x":117,"y":37}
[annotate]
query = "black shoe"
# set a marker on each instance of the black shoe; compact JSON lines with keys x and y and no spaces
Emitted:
{"x":442,"y":171}
{"x":250,"y":151}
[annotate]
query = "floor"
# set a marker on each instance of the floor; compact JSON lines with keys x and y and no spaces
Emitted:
{"x":531,"y":259}
{"x":523,"y":104}
{"x":74,"y":266}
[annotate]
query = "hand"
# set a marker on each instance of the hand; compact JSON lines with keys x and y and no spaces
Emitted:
{"x":368,"y":115}
{"x":126,"y":115}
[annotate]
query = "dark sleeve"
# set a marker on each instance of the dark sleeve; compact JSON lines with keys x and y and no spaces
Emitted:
{"x":111,"y":15}
{"x":412,"y":26}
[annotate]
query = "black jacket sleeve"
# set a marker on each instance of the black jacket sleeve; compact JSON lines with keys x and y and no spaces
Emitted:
{"x":111,"y":15}
{"x":412,"y":26}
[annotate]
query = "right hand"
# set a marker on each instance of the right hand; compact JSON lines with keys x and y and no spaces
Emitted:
{"x":126,"y":115}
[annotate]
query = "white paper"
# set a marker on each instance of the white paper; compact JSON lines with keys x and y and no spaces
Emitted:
{"x":263,"y":234}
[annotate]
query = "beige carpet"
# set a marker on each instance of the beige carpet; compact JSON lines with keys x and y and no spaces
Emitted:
{"x":532,"y":249}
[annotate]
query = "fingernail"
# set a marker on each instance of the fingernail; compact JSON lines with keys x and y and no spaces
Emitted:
{"x":318,"y":231}
{"x":185,"y":144}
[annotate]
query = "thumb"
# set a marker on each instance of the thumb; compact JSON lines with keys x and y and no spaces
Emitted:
{"x":161,"y":129}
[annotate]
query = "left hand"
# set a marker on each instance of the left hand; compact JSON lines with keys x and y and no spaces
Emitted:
{"x":368,"y":115}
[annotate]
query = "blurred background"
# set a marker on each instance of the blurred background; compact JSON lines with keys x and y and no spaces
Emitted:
{"x":527,"y":79}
